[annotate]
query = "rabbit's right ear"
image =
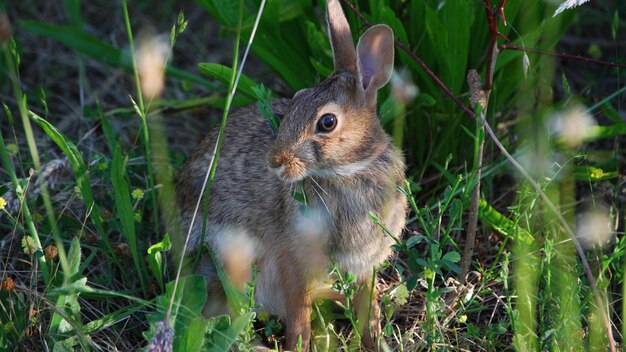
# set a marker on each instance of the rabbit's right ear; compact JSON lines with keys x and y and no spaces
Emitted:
{"x":340,"y":37}
{"x":375,"y":59}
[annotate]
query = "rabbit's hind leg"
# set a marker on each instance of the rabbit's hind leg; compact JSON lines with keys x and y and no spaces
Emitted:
{"x":368,"y":314}
{"x":296,"y":289}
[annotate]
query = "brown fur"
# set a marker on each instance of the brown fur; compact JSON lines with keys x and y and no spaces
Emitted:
{"x":347,"y":174}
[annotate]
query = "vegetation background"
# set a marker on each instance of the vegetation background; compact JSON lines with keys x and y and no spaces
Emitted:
{"x":526,"y":161}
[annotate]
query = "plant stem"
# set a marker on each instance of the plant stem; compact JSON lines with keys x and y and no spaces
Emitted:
{"x":145,"y":133}
{"x":562,"y":55}
{"x":6,"y":161}
{"x":480,"y":100}
{"x":30,"y":139}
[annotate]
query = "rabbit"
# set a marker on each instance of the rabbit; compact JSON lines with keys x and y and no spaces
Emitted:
{"x":331,"y":147}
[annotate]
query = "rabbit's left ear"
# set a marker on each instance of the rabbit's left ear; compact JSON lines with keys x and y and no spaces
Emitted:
{"x":344,"y":54}
{"x":375,"y":54}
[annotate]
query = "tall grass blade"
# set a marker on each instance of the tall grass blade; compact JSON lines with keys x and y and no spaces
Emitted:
{"x":223,"y":73}
{"x":125,"y":212}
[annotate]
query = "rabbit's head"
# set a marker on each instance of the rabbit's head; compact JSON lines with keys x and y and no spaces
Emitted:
{"x":333,"y":129}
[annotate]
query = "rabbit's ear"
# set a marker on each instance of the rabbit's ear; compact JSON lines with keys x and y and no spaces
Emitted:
{"x":340,"y":38}
{"x":375,"y":58}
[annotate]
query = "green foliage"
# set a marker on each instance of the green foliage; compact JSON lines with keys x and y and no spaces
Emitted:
{"x":70,"y":319}
{"x":156,"y":258}
{"x":124,"y":209}
{"x":192,"y":331}
{"x":264,"y":97}
{"x":189,"y":299}
{"x":347,"y":286}
{"x":280,"y":44}
{"x":449,"y":36}
{"x":531,"y":268}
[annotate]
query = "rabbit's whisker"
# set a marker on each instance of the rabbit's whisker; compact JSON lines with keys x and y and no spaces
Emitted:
{"x":318,"y":185}
{"x":320,"y":196}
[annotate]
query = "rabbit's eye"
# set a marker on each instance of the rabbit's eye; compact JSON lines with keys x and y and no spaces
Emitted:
{"x":326,"y":123}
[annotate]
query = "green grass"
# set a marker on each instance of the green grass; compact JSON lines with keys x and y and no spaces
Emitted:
{"x":72,"y":95}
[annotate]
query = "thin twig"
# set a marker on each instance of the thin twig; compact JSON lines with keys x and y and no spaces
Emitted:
{"x":562,"y":55}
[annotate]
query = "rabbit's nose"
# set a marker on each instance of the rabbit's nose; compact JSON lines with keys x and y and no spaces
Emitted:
{"x":276,"y":160}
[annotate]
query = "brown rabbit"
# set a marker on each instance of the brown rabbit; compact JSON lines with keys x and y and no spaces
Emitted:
{"x":331,"y":142}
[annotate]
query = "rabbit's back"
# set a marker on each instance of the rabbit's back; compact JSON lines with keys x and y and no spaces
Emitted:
{"x":244,"y":189}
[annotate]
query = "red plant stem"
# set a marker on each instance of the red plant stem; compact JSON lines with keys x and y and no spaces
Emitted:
{"x":492,"y":50}
{"x":501,"y":10}
{"x":561,"y":55}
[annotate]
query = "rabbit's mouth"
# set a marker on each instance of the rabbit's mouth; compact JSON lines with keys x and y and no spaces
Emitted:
{"x":287,"y":166}
{"x":292,"y":172}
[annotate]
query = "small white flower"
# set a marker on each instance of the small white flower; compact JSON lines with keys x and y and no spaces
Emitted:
{"x":152,"y":55}
{"x":594,"y":228}
{"x":402,"y":88}
{"x":573,"y":125}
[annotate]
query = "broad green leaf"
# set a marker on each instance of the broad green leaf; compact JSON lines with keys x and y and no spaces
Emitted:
{"x":224,"y":340}
{"x":194,"y":338}
{"x":66,"y":345}
{"x":601,"y":132}
{"x":68,"y":303}
{"x":223,"y":73}
{"x":388,"y":16}
{"x":105,"y":322}
{"x":72,"y":9}
{"x":111,"y":319}
{"x":74,"y":258}
{"x":227,"y":10}
{"x":590,"y":173}
{"x":189,"y":300}
{"x":414,"y":240}
{"x":155,"y":257}
{"x":489,"y":216}
{"x":612,"y":114}
{"x":124,"y":210}
{"x":452,"y":257}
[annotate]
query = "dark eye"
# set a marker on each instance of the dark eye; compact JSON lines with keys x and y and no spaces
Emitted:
{"x":326,"y":123}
